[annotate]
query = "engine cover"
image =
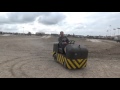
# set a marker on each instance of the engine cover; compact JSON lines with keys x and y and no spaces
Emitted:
{"x":76,"y":51}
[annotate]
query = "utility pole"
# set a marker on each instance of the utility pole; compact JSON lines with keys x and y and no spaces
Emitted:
{"x":110,"y":30}
{"x":23,"y":30}
{"x":114,"y":32}
{"x":107,"y":34}
{"x":118,"y":30}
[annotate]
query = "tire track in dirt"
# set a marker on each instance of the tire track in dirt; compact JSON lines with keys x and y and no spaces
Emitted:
{"x":16,"y":70}
{"x":7,"y":61}
{"x":32,"y":58}
{"x":16,"y":64}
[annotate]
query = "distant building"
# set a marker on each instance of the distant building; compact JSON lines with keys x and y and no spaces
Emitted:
{"x":29,"y":33}
{"x":79,"y":36}
{"x":48,"y":34}
{"x":40,"y":33}
{"x":54,"y":34}
{"x":117,"y":38}
{"x":1,"y":32}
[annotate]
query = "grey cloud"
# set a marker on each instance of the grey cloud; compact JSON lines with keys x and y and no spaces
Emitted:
{"x":4,"y":20}
{"x":9,"y":28}
{"x":51,"y":18}
{"x":79,"y":26}
{"x":96,"y":23}
{"x":73,"y":27}
{"x":20,"y":17}
{"x":47,"y":18}
{"x":103,"y":20}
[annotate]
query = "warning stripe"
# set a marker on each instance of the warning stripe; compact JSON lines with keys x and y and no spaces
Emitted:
{"x":84,"y":64}
{"x":73,"y":66}
{"x":68,"y":66}
{"x":79,"y":60}
{"x":62,"y":59}
{"x":58,"y":57}
{"x":75,"y":62}
{"x":53,"y":53}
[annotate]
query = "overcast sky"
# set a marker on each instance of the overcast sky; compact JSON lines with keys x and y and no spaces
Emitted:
{"x":80,"y":23}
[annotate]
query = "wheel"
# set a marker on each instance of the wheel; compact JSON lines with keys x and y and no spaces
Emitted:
{"x":64,"y":64}
{"x":55,"y":57}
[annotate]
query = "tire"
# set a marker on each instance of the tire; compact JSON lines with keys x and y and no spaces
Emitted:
{"x":55,"y":57}
{"x":64,"y":64}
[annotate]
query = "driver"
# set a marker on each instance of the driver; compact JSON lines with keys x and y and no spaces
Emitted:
{"x":63,"y":40}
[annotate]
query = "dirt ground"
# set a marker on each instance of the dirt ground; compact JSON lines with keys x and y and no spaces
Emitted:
{"x":31,"y":57}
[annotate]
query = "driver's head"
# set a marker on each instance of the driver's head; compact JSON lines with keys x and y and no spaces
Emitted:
{"x":61,"y":33}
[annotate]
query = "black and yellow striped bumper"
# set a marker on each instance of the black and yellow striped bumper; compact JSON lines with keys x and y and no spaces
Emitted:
{"x":71,"y":64}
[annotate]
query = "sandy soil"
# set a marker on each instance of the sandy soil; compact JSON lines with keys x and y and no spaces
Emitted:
{"x":31,"y":57}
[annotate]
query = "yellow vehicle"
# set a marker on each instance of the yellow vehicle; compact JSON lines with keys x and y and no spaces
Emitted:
{"x":74,"y":58}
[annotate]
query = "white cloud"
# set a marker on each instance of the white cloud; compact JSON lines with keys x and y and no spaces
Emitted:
{"x":51,"y":18}
{"x":84,"y":23}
